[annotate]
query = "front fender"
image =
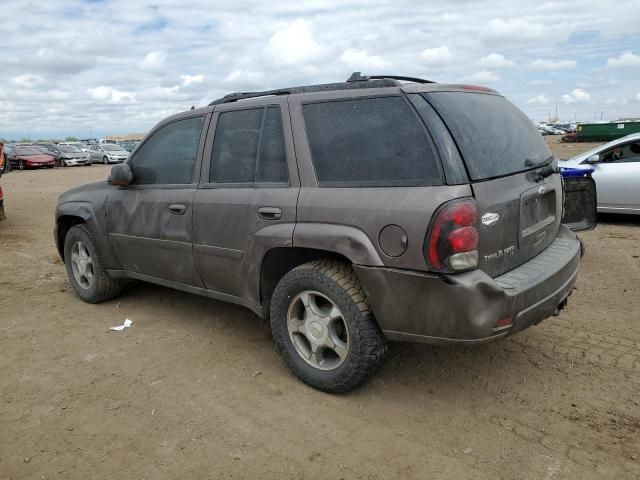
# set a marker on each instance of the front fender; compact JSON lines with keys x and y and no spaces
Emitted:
{"x":94,"y":218}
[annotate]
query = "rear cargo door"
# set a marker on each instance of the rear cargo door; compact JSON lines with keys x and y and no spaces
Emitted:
{"x":509,"y":166}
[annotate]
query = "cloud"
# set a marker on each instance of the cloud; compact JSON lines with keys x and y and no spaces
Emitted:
{"x":191,"y":79}
{"x":436,"y":57}
{"x":482,"y":77}
{"x":28,"y":80}
{"x":154,"y":60}
{"x":550,"y":65}
{"x":495,"y":61}
{"x":577,"y":95}
{"x":245,"y":79}
{"x":499,"y":30}
{"x":360,"y":60}
{"x":294,"y":43}
{"x":109,"y":94}
{"x":540,"y":99}
{"x":627,"y":59}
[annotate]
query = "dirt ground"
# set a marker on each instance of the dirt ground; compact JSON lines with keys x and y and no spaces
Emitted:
{"x":194,"y":389}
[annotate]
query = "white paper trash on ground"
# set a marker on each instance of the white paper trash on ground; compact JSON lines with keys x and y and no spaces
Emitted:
{"x":127,"y":323}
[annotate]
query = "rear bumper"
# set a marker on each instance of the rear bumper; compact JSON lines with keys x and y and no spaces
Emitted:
{"x":463,"y":308}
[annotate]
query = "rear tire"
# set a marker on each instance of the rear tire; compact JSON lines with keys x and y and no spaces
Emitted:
{"x":87,"y":273}
{"x":20,"y":165}
{"x":353,"y":345}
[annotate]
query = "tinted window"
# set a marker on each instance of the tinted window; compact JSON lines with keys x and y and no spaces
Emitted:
{"x":249,"y":147}
{"x":168,"y":157}
{"x":371,"y":141}
{"x":494,"y":137}
{"x":625,"y":153}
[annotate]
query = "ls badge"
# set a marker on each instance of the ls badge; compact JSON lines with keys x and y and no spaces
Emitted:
{"x":490,"y":218}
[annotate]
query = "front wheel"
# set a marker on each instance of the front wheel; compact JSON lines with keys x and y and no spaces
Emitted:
{"x":87,"y":274}
{"x":322,"y":324}
{"x":20,"y":165}
{"x":105,"y":160}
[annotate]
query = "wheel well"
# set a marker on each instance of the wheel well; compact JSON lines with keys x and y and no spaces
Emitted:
{"x":65,"y":223}
{"x":279,"y":261}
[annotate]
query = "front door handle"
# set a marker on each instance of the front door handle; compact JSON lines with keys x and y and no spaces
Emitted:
{"x":269,"y":213}
{"x":177,"y":209}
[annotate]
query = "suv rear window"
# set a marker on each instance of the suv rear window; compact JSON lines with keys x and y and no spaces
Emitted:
{"x":494,"y":137}
{"x":369,"y":142}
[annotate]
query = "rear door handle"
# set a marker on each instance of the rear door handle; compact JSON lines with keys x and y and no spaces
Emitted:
{"x":269,"y":213}
{"x":177,"y":209}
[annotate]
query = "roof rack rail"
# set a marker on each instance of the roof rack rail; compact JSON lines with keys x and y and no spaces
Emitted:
{"x":358,"y":77}
{"x":356,"y":81}
{"x":233,"y":97}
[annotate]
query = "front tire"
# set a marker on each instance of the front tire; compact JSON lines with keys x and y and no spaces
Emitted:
{"x":322,"y":324}
{"x":20,"y":165}
{"x":105,"y":160}
{"x":87,"y":273}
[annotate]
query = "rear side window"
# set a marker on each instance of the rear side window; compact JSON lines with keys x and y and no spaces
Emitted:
{"x":494,"y":137}
{"x":248,"y":148}
{"x":369,"y":142}
{"x":169,"y":155}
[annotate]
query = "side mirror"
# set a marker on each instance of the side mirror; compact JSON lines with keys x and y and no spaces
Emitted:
{"x":121,"y":175}
{"x":593,"y":158}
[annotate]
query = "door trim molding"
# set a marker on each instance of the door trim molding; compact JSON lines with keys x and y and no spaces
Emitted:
{"x":150,"y":242}
{"x":218,"y":251}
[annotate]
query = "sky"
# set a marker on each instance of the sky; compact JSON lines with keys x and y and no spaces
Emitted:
{"x":91,"y":68}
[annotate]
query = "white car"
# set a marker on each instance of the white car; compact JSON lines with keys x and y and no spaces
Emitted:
{"x":617,"y":173}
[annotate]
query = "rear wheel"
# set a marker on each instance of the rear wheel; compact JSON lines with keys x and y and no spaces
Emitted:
{"x":322,"y":324}
{"x":87,"y":274}
{"x":20,"y":165}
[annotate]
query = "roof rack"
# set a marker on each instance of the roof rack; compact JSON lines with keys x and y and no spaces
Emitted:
{"x":358,"y":77}
{"x":355,"y":81}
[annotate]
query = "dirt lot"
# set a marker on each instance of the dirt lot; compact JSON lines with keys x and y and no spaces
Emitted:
{"x":195,"y":389}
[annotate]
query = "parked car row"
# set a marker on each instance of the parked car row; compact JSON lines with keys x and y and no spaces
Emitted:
{"x":558,"y":129}
{"x":49,"y":155}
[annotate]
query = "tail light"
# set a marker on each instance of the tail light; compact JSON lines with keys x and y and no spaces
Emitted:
{"x":452,"y":240}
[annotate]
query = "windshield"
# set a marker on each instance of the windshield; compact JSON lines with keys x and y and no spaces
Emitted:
{"x":69,"y":149}
{"x":494,"y":137}
{"x":27,"y":151}
{"x":112,"y":148}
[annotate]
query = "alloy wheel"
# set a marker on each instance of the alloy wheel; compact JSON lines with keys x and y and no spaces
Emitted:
{"x":82,"y":265}
{"x":318,"y":330}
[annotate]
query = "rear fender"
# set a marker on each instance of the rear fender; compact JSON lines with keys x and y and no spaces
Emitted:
{"x":349,"y":242}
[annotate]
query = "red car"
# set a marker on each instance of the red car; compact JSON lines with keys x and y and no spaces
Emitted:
{"x":29,"y":157}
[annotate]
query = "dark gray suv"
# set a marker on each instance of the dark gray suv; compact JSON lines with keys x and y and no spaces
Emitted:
{"x":348,"y":214}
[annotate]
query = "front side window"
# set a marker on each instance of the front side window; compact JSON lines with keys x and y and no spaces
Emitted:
{"x":369,"y":142}
{"x":626,"y":153}
{"x":248,"y":148}
{"x":169,"y":156}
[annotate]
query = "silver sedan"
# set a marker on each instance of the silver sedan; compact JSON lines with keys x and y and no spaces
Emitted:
{"x":108,"y":153}
{"x":617,"y":173}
